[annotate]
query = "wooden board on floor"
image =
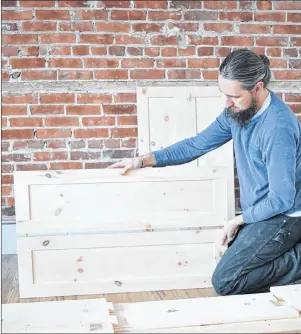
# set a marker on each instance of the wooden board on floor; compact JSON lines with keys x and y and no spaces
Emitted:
{"x":174,"y":314}
{"x":69,"y":316}
{"x":128,"y":262}
{"x":291,"y":294}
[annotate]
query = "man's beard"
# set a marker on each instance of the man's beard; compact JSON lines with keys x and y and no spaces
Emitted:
{"x":243,"y":117}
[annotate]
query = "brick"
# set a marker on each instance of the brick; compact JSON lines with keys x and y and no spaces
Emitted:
{"x":284,"y":5}
{"x":95,"y":143}
{"x":188,"y":51}
{"x":131,"y":142}
{"x":242,"y":4}
{"x":127,"y":120}
{"x":124,"y":132}
{"x":120,"y":109}
{"x":47,"y":156}
{"x":295,"y":63}
{"x":112,"y":143}
{"x":83,"y":110}
{"x":147,"y":27}
{"x":203,"y":63}
{"x":264,"y":5}
{"x":39,"y":75}
{"x":137,"y":62}
{"x":292,"y":97}
{"x":4,"y":122}
{"x":13,"y":15}
{"x":6,"y":190}
{"x":56,"y":15}
{"x":101,"y":62}
{"x":98,"y":121}
{"x":97,"y":165}
{"x":53,"y":133}
{"x":75,"y":75}
{"x":17,"y":134}
{"x":200,"y":16}
{"x":272,"y":41}
{"x":9,"y":3}
{"x":164,"y":40}
{"x":273,"y":52}
{"x":236,"y":16}
{"x":254,"y":29}
{"x":296,"y":108}
{"x":7,"y":179}
{"x":57,"y":98}
{"x":76,"y":144}
{"x":292,"y":52}
{"x":278,"y":63}
{"x":85,"y":155}
{"x":113,"y":27}
{"x":128,"y":15}
{"x":57,"y":38}
{"x":162,"y":16}
{"x":296,"y":41}
{"x":235,"y":40}
{"x":91,"y":14}
{"x":152,"y":52}
{"x":159,"y":4}
{"x":112,"y":75}
{"x":100,"y":51}
{"x":169,"y":52}
{"x":116,"y":4}
{"x":94,"y":98}
{"x":287,"y":75}
{"x":294,"y":17}
{"x":117,"y":50}
{"x":25,"y":122}
{"x":28,"y":63}
{"x":195,"y":40}
{"x":46,"y":109}
{"x":60,"y":51}
{"x":133,"y":51}
{"x":186,"y":4}
{"x":126,"y":39}
{"x":205,"y":51}
{"x":184,"y":74}
{"x":35,"y":4}
{"x":210,"y":75}
{"x":222,"y":51}
{"x":118,"y":154}
{"x":19,"y":39}
{"x":287,"y":29}
{"x":56,"y":144}
{"x":171,"y":63}
{"x":39,"y":26}
{"x":218,"y":27}
{"x":20,"y":145}
{"x":76,"y":26}
{"x":125,"y":97}
{"x":7,"y":168}
{"x":16,"y":157}
{"x":28,"y":167}
{"x":9,"y":27}
{"x":269,"y":17}
{"x":91,"y":133}
{"x":5,"y":76}
{"x":97,"y":39}
{"x":30,"y":51}
{"x":147,"y":74}
{"x":65,"y":165}
{"x":73,"y":3}
{"x":65,"y":62}
{"x":62,"y":121}
{"x":226,"y":5}
{"x":184,"y":26}
{"x":14,"y":110}
{"x":9,"y":51}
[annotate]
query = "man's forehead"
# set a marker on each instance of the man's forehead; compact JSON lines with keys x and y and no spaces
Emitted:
{"x":229,"y":87}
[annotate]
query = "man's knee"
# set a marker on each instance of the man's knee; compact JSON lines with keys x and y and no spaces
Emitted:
{"x":219,"y":284}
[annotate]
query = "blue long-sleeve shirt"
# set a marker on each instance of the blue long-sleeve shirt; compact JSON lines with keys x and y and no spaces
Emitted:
{"x":267,"y":153}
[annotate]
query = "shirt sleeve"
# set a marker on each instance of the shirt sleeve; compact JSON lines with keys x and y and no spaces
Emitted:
{"x":215,"y":135}
{"x":279,"y":154}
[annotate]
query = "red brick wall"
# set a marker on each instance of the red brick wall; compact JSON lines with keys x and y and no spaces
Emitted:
{"x":49,"y":46}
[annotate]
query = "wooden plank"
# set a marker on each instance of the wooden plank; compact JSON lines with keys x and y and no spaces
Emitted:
{"x":68,"y":316}
{"x":201,"y":312}
{"x":289,"y":293}
{"x":77,"y":265}
{"x":151,"y":198}
{"x":179,"y":113}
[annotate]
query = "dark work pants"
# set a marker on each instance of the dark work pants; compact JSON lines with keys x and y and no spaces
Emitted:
{"x":262,"y":255}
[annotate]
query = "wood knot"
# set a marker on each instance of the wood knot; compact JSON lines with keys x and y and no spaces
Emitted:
{"x":118,"y":283}
{"x":80,"y":270}
{"x":46,"y":243}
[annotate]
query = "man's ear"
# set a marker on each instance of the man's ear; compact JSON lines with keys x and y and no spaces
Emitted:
{"x":259,"y":86}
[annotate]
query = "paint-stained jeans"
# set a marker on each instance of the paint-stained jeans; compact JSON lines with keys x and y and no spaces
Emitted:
{"x":262,"y":255}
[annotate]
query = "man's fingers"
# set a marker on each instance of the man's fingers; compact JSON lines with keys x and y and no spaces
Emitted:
{"x":125,"y":170}
{"x":223,"y":239}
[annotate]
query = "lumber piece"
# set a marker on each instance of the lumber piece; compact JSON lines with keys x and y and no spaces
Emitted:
{"x":289,"y":293}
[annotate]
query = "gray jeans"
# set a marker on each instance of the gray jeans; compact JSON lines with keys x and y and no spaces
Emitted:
{"x":262,"y":255}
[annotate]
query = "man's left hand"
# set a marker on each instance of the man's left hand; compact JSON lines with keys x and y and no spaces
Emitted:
{"x":230,"y":229}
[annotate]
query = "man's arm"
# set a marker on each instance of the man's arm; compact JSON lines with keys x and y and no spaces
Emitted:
{"x":279,"y":153}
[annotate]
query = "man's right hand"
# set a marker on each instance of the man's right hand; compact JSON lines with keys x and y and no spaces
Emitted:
{"x":128,"y":164}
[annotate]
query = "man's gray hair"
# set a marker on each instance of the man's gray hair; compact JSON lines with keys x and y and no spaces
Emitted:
{"x":246,"y":67}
